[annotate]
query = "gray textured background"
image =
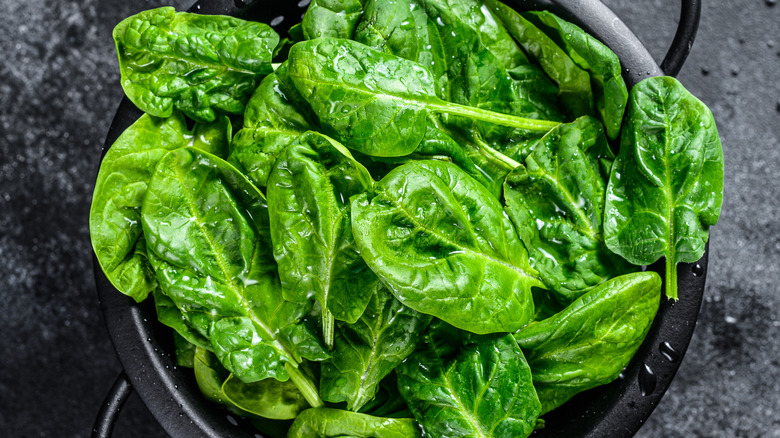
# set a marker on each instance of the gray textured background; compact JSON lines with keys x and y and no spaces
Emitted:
{"x":59,"y":88}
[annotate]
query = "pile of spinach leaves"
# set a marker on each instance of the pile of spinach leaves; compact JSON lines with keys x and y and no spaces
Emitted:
{"x":415,"y":224}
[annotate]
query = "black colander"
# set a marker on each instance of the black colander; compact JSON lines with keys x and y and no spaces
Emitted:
{"x":145,"y":347}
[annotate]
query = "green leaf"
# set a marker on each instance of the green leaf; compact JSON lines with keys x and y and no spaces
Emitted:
{"x":443,"y":246}
{"x":666,"y":186}
{"x":332,"y":18}
{"x":601,"y":63}
{"x":459,"y":384}
{"x":590,"y":342}
{"x":556,"y":203}
{"x":326,"y":422}
{"x":271,"y":122}
{"x":267,"y":398}
{"x":170,"y":315}
{"x":574,"y":88}
{"x":367,"y":351}
{"x":115,"y":214}
{"x":308,"y":205}
{"x":185,"y":351}
{"x":191,"y":62}
{"x":209,"y":242}
{"x":374,"y":102}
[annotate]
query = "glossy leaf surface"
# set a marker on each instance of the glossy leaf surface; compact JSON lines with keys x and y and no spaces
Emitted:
{"x":327,"y":422}
{"x":556,"y":202}
{"x":271,"y":122}
{"x":443,"y":246}
{"x":459,"y":384}
{"x":331,"y":18}
{"x":666,"y":186}
{"x":308,"y":206}
{"x":374,"y":102}
{"x":191,"y":62}
{"x":590,"y":342}
{"x":367,"y":351}
{"x":209,"y":243}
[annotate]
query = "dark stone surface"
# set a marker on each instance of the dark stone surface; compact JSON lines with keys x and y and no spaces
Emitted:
{"x":59,"y":87}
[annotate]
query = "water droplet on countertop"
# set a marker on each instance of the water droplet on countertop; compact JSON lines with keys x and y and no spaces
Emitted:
{"x":196,"y":7}
{"x":240,"y":3}
{"x":770,"y":3}
{"x":705,"y":71}
{"x":697,"y":270}
{"x":647,"y":380}
{"x":668,"y":352}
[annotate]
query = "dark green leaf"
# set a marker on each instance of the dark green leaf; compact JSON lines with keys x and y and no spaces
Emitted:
{"x":308,"y":205}
{"x":666,"y":186}
{"x":443,"y":246}
{"x":332,"y":18}
{"x":326,"y":422}
{"x":556,"y":203}
{"x":367,"y":351}
{"x":185,"y":351}
{"x":191,"y":62}
{"x":590,"y":342}
{"x":459,"y":384}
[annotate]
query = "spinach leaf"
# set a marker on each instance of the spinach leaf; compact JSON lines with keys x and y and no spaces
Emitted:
{"x":331,"y":18}
{"x":308,"y":206}
{"x":327,"y":422}
{"x":402,"y":28}
{"x":556,"y":202}
{"x":209,"y":243}
{"x":443,"y":246}
{"x":170,"y":315}
{"x":267,"y":398}
{"x":573,"y":82}
{"x":271,"y":122}
{"x":115,"y":213}
{"x":603,"y":66}
{"x":388,"y":401}
{"x":191,"y":62}
{"x":592,"y":340}
{"x":666,"y":186}
{"x":185,"y":351}
{"x":459,"y":384}
{"x":367,"y":351}
{"x":374,"y":102}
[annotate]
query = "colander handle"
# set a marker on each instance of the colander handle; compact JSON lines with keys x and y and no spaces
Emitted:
{"x":690,"y":14}
{"x":112,"y":406}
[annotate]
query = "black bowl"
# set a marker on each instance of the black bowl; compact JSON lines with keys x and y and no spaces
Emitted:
{"x":145,"y":347}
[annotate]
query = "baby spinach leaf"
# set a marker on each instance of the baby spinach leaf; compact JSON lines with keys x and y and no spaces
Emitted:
{"x":592,"y":340}
{"x":267,"y":398}
{"x":459,"y":384}
{"x":666,"y":186}
{"x":185,"y":351}
{"x":271,"y":122}
{"x":170,"y":315}
{"x":374,"y":102}
{"x":115,"y":213}
{"x":327,"y":422}
{"x":556,"y":202}
{"x":209,"y":243}
{"x":443,"y":246}
{"x":402,"y":28}
{"x":308,"y":205}
{"x":601,"y":63}
{"x":331,"y":18}
{"x":191,"y":62}
{"x":388,"y":401}
{"x":367,"y":351}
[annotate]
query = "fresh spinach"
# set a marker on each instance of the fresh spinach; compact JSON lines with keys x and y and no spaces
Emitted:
{"x":327,"y":422}
{"x":374,"y":102}
{"x":459,"y":384}
{"x":115,"y":215}
{"x":271,"y":122}
{"x":367,"y":351}
{"x":191,"y":62}
{"x":443,"y":246}
{"x":308,"y":206}
{"x":331,"y":18}
{"x":589,"y":342}
{"x":666,"y":186}
{"x":209,"y":243}
{"x":556,"y":202}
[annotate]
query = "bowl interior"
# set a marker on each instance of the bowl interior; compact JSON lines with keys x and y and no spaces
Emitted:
{"x":145,"y":347}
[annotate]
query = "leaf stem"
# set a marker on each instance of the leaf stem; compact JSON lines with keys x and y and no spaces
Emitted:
{"x":327,"y":327}
{"x":671,"y":279}
{"x":495,"y":118}
{"x":305,"y":385}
